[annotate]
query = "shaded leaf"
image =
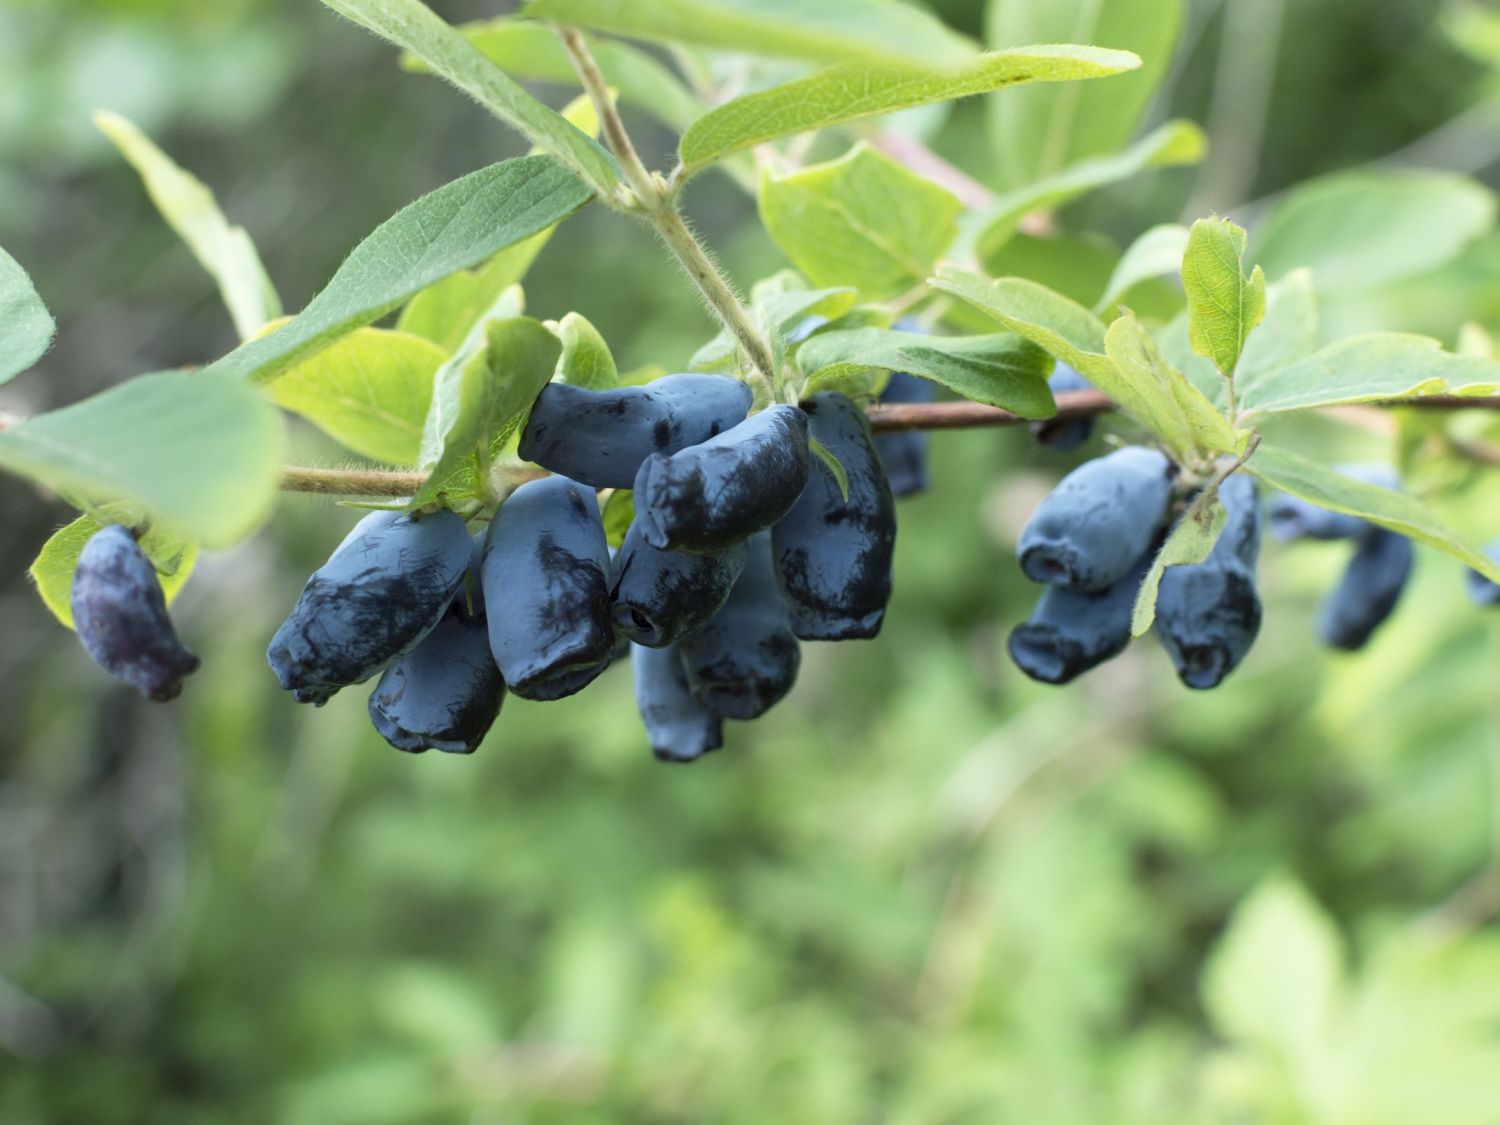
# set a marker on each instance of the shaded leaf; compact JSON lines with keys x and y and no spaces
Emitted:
{"x":1190,"y":543}
{"x":53,"y":569}
{"x":446,"y":312}
{"x":1157,"y":253}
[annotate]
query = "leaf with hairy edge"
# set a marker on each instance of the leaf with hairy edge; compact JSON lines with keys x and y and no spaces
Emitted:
{"x":26,"y":327}
{"x":531,"y":50}
{"x":1157,"y":253}
{"x":885,"y":32}
{"x":483,"y":394}
{"x":1191,"y":542}
{"x":53,"y":569}
{"x":1328,"y":488}
{"x":783,"y":310}
{"x":1371,"y":368}
{"x":201,"y":456}
{"x":999,"y":370}
{"x":414,"y":27}
{"x":862,"y":220}
{"x":455,"y":227}
{"x":586,"y":360}
{"x":1175,"y":143}
{"x":851,"y":91}
{"x":225,"y":251}
{"x":446,"y":312}
{"x":1224,"y":306}
{"x":1159,"y":396}
{"x":370,"y":392}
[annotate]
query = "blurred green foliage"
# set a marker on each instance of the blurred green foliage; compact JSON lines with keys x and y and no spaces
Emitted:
{"x":923,"y":890}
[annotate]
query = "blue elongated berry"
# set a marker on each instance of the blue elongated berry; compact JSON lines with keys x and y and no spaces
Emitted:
{"x":714,"y":495}
{"x":445,"y":693}
{"x":1072,"y":631}
{"x":1371,"y":587}
{"x":1208,"y":614}
{"x":1481,"y":590}
{"x":546,"y":589}
{"x":1094,"y":527}
{"x":745,"y":660}
{"x":658,"y":596}
{"x":904,"y":455}
{"x":1068,"y":434}
{"x":600,"y":438}
{"x":1292,"y":517}
{"x":121,"y":617}
{"x":680,"y":728}
{"x":384,"y":589}
{"x":833,"y":555}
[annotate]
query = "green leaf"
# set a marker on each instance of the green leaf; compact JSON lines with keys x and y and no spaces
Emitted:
{"x":832,"y":464}
{"x":785,"y":311}
{"x":853,"y":91}
{"x":1191,"y":542}
{"x":200,"y":455}
{"x":531,"y":50}
{"x":1157,"y":253}
{"x":1061,"y":327}
{"x":1360,"y":230}
{"x":1224,"y":306}
{"x":225,"y":251}
{"x":1039,"y":131}
{"x":415,"y":28}
{"x":1000,"y":370}
{"x":1276,"y":977}
{"x":446,"y":311}
{"x":885,"y":32}
{"x":586,"y":360}
{"x":26,"y":327}
{"x":1159,"y":396}
{"x":1176,"y":142}
{"x":53,"y":569}
{"x":1328,"y":488}
{"x":482,"y":395}
{"x":370,"y":391}
{"x":862,"y":221}
{"x":1371,"y":368}
{"x":619,"y":513}
{"x":455,"y":227}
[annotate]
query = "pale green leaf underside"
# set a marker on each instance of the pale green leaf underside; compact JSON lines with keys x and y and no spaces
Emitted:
{"x":532,"y":50}
{"x":1328,"y":488}
{"x":1191,"y":542}
{"x":455,"y":227}
{"x":862,"y":221}
{"x":415,"y":28}
{"x":189,"y":207}
{"x":851,"y":91}
{"x":885,"y":32}
{"x":1175,"y":143}
{"x":1157,"y":253}
{"x":1224,"y":306}
{"x":200,"y":454}
{"x":1000,"y":370}
{"x":586,"y":360}
{"x":1159,"y":396}
{"x":369,"y":391}
{"x":26,"y":327}
{"x":446,"y":311}
{"x":53,"y":569}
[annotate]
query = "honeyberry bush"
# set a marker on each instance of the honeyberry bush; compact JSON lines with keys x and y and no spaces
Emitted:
{"x":1271,"y":324}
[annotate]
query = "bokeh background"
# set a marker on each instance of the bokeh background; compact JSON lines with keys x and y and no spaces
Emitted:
{"x":922,"y":890}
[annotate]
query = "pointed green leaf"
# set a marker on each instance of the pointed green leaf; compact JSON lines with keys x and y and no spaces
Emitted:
{"x":1157,"y":253}
{"x":455,"y":227}
{"x":1041,"y":130}
{"x":1359,"y":230}
{"x":53,"y":569}
{"x":1061,"y":327}
{"x":852,"y":91}
{"x":1192,"y":540}
{"x":1224,"y":306}
{"x":1176,"y":142}
{"x":1159,"y":396}
{"x":370,"y":391}
{"x":225,"y":251}
{"x":1328,"y":488}
{"x":999,"y":370}
{"x":200,"y":455}
{"x":26,"y":327}
{"x":482,"y":395}
{"x":586,"y":360}
{"x":414,"y":27}
{"x":862,"y":220}
{"x":446,"y":312}
{"x":885,"y":32}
